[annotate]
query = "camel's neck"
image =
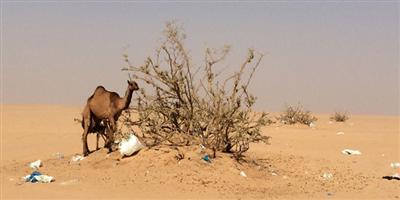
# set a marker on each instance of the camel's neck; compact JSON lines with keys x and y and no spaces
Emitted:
{"x":126,"y":100}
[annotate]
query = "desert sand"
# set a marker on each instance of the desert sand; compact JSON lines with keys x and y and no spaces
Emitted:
{"x":290,"y":167}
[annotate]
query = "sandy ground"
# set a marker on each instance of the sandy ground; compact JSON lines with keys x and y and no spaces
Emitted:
{"x":291,"y":167}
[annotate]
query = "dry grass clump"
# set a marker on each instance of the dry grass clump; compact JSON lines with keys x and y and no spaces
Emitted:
{"x":183,"y":103}
{"x":340,"y":117}
{"x":296,"y":114}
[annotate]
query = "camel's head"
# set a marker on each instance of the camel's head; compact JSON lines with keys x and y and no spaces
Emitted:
{"x":132,"y":85}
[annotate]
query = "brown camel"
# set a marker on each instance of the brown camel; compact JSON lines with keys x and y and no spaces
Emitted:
{"x":104,"y":106}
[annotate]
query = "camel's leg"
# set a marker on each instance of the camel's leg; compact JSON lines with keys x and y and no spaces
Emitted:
{"x":97,"y":140}
{"x":86,"y":125}
{"x":111,"y":128}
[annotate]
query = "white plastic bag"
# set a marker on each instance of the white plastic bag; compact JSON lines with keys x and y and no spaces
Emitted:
{"x":395,"y":165}
{"x":44,"y":179}
{"x":130,"y":146}
{"x":36,"y":164}
{"x":77,"y":158}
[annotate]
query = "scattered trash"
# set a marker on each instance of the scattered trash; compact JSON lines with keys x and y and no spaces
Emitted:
{"x":77,"y":158}
{"x":202,"y":147}
{"x":394,"y":176}
{"x":274,"y":174}
{"x":339,"y":133}
{"x":207,"y":158}
{"x":243,"y":174}
{"x":31,"y":177}
{"x":312,"y":125}
{"x":327,"y":175}
{"x":38,"y":177}
{"x":395,"y":165}
{"x":44,"y":179}
{"x":36,"y":164}
{"x":351,"y":152}
{"x":130,"y":146}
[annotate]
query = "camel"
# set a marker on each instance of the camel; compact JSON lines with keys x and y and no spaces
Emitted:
{"x":104,"y":106}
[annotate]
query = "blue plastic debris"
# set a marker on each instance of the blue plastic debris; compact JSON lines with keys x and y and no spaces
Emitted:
{"x":32,"y":177}
{"x":207,"y":158}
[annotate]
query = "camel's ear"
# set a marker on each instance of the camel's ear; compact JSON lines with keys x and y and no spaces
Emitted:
{"x":128,"y":82}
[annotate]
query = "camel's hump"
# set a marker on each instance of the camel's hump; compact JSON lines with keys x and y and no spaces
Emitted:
{"x":98,"y":91}
{"x":100,"y":87}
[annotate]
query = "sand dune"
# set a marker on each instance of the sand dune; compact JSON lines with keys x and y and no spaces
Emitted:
{"x":291,"y":167}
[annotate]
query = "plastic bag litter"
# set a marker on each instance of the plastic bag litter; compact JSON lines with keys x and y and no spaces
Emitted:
{"x":206,"y":158}
{"x":351,"y":152}
{"x":38,"y":177}
{"x":31,"y":177}
{"x":130,"y":146}
{"x":77,"y":158}
{"x":36,"y":164}
{"x":44,"y":179}
{"x":243,"y":174}
{"x":395,"y":165}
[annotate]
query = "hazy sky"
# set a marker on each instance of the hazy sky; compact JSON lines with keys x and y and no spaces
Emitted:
{"x":332,"y":56}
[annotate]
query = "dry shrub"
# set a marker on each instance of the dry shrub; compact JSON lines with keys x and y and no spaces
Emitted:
{"x":340,"y":117}
{"x":188,"y":104}
{"x":296,"y":114}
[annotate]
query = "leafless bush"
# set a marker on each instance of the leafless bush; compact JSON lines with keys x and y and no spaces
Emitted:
{"x":296,"y":114}
{"x":340,"y":117}
{"x":191,"y":104}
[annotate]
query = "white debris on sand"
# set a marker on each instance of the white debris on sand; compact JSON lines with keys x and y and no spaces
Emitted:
{"x":130,"y":146}
{"x":340,"y":133}
{"x":44,"y":179}
{"x":351,"y":152}
{"x":243,"y":174}
{"x":395,"y":165}
{"x":37,"y":177}
{"x":77,"y":158}
{"x":36,"y":164}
